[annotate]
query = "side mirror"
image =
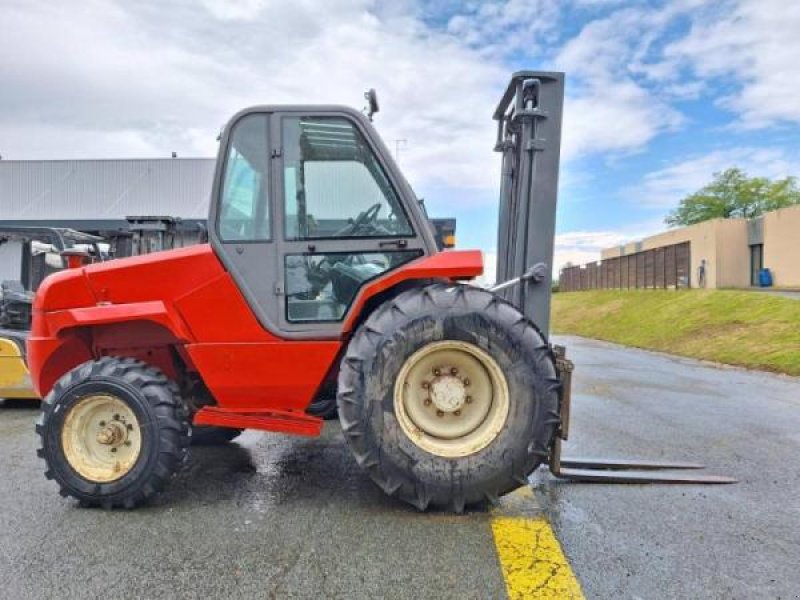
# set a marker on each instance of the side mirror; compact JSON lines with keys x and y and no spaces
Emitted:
{"x":372,"y":107}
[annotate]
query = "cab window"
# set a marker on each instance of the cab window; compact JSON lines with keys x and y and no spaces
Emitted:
{"x":244,"y":204}
{"x":321,"y":287}
{"x":334,"y":186}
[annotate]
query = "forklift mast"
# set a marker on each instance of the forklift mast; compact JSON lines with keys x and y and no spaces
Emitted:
{"x":529,"y":138}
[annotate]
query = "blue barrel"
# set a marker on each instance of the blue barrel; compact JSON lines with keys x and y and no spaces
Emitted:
{"x":765,"y":278}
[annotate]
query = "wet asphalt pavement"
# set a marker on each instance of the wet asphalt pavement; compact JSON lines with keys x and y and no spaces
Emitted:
{"x":739,"y":541}
{"x":272,"y":516}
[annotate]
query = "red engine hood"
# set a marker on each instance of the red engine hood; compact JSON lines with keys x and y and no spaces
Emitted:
{"x":163,"y":275}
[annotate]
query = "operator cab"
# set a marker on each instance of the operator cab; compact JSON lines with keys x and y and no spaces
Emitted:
{"x":309,"y":206}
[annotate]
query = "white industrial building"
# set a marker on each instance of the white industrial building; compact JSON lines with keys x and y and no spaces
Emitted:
{"x":103,"y":190}
{"x":96,"y":196}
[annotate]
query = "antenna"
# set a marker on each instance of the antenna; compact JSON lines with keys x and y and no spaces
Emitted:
{"x":399,"y":144}
{"x":372,"y":103}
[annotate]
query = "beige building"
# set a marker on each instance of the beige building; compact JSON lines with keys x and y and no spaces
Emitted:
{"x":733,"y":251}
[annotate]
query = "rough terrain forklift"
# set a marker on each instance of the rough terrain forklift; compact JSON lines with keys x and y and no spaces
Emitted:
{"x":322,"y":271}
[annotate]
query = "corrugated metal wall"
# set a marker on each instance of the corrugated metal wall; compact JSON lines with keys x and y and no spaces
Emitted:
{"x":10,"y":260}
{"x":104,"y":189}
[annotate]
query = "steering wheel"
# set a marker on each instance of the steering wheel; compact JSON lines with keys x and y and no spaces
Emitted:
{"x":368,"y":217}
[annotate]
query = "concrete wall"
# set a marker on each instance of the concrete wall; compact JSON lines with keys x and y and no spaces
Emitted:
{"x":721,"y":242}
{"x":703,"y":240}
{"x":624,"y":250}
{"x":733,"y":254}
{"x":782,"y":246}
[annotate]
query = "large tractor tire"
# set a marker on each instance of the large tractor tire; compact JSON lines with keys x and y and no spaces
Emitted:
{"x":113,"y":432}
{"x":448,"y":397}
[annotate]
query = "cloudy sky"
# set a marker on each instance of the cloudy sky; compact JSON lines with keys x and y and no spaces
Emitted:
{"x":659,"y":94}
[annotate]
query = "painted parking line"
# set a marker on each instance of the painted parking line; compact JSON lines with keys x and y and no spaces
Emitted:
{"x":531,"y":559}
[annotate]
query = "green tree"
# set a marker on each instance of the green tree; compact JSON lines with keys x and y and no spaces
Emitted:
{"x":733,"y":194}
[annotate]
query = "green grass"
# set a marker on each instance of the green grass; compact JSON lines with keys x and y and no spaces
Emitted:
{"x":748,"y":329}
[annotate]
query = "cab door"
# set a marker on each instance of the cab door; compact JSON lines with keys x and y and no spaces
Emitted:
{"x":341,"y":221}
{"x":241,"y":223}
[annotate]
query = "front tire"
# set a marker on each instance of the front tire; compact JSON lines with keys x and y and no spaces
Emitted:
{"x":113,"y":431}
{"x":448,"y":397}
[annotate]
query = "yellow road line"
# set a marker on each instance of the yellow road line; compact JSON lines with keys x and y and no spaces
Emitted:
{"x":531,"y":559}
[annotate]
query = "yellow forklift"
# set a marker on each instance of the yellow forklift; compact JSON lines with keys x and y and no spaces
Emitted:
{"x":39,"y":251}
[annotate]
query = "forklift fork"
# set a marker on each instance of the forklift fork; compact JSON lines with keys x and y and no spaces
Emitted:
{"x":612,"y":470}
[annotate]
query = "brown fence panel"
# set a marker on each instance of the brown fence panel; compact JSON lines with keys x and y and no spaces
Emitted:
{"x":670,"y":268}
{"x":623,"y":272}
{"x":612,"y":273}
{"x":684,"y":265}
{"x":666,"y":267}
{"x":649,"y":269}
{"x":659,"y":279}
{"x":631,"y":271}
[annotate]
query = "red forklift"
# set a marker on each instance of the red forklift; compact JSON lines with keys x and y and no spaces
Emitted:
{"x":321,"y":272}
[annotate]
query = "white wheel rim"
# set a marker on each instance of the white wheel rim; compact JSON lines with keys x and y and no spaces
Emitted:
{"x":451,"y":398}
{"x":101,"y":438}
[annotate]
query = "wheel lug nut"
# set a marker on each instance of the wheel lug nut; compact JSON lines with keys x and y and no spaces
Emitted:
{"x":425,"y":385}
{"x":427,"y":402}
{"x":128,"y":442}
{"x":453,"y":371}
{"x":468,"y":399}
{"x":466,"y":381}
{"x":457,"y":413}
{"x":102,"y":423}
{"x":437,"y":372}
{"x":113,"y":449}
{"x":129,"y":427}
{"x":439,"y":413}
{"x":116,"y":417}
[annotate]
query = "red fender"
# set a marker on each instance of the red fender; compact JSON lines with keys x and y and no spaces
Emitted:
{"x":105,"y":314}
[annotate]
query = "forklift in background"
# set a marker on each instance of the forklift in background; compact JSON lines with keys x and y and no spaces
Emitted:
{"x":33,"y":253}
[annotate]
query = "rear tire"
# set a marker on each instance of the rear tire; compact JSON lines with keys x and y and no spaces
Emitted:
{"x":113,"y":431}
{"x":428,"y":459}
{"x":209,"y":435}
{"x":324,"y":408}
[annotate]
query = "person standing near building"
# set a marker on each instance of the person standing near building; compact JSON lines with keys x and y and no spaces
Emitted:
{"x":701,"y":274}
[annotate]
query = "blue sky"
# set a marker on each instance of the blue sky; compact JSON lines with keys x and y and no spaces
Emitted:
{"x":660,"y":95}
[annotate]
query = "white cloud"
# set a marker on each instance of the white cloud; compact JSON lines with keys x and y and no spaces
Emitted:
{"x":756,"y":43}
{"x":234,"y":9}
{"x":665,"y":187}
{"x":582,"y":247}
{"x":608,"y":109}
{"x":502,"y":27}
{"x":489,"y":276}
{"x":101,"y":78}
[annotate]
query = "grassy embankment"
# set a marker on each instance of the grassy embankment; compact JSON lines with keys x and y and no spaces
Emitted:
{"x":742,"y":328}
